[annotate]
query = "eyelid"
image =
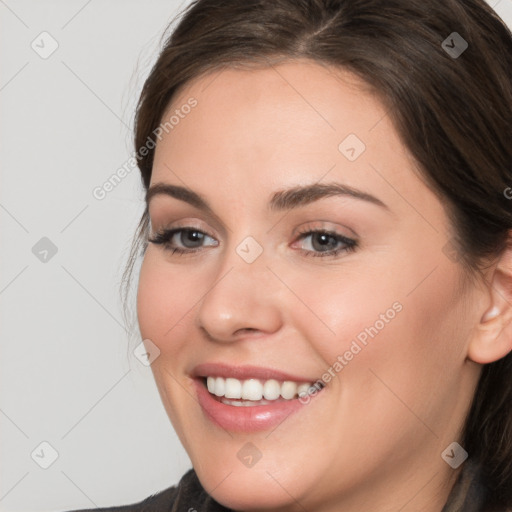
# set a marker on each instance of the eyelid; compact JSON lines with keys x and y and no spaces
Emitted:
{"x":326,"y":225}
{"x":162,"y":211}
{"x":180,"y":224}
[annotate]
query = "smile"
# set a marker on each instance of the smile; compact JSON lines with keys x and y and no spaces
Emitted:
{"x":251,"y":399}
{"x":252,"y":392}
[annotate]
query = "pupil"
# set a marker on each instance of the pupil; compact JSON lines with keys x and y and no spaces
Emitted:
{"x":323,"y":239}
{"x":193,"y":236}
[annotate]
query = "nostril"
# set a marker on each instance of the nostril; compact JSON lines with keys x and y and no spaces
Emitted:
{"x":247,"y":329}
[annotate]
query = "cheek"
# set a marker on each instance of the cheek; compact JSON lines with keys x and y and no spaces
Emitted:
{"x":163,"y":300}
{"x":387,"y":330}
{"x":398,"y":304}
{"x":149,"y":299}
{"x":345,"y":311}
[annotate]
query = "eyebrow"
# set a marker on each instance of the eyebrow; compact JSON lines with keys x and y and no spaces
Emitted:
{"x":280,"y":200}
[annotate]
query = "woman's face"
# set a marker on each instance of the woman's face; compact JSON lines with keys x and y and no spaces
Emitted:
{"x":351,"y":284}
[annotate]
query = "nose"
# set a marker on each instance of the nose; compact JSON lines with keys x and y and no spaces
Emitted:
{"x":244,"y":297}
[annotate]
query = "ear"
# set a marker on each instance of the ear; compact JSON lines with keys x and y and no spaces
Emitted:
{"x":492,"y":339}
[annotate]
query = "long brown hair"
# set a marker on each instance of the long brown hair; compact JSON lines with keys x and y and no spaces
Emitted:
{"x":453,"y":112}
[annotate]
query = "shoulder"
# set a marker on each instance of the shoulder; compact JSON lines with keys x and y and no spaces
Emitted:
{"x":188,"y":495}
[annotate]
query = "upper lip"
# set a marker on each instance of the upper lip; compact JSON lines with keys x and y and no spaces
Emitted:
{"x":245,"y":372}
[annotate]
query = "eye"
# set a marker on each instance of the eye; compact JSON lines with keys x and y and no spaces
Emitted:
{"x":185,"y":240}
{"x":327,"y":243}
{"x":189,"y":237}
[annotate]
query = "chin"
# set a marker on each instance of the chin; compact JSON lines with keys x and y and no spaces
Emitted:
{"x":248,"y":491}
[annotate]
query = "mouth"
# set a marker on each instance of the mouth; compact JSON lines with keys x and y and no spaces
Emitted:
{"x":256,"y":392}
{"x":249,"y":399}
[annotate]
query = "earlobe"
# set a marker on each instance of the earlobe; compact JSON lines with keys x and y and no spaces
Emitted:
{"x":490,"y":314}
{"x":492,"y":338}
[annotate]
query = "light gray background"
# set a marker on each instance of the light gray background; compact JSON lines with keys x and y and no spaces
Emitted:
{"x":67,"y":376}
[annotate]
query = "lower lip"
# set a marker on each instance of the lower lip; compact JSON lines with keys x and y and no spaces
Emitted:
{"x":246,"y":418}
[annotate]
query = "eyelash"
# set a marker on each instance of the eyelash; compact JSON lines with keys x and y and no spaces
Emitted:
{"x":164,"y":237}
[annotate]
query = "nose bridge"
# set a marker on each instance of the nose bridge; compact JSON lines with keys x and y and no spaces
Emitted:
{"x":240,"y":297}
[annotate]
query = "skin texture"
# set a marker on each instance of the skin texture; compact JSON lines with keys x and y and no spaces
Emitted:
{"x":373,"y":438}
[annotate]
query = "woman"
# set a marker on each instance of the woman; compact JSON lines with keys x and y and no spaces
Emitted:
{"x":326,"y":290}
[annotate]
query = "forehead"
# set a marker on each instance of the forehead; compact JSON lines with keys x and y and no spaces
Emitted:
{"x":301,"y":87}
{"x":252,"y":131}
{"x":294,"y":108}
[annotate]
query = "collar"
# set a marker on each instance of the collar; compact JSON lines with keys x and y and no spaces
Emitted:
{"x":469,"y":492}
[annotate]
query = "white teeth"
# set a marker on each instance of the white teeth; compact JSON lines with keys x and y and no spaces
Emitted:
{"x":220,"y":386}
{"x":288,"y":390}
{"x":254,"y":390}
{"x":302,"y":389}
{"x":271,"y":389}
{"x":233,"y":388}
{"x":243,"y":403}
